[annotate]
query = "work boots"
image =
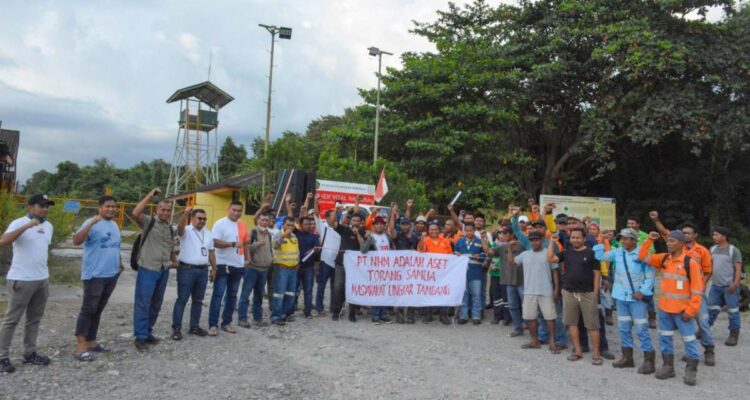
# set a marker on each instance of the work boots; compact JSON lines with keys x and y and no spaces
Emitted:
{"x":691,"y":370}
{"x":652,"y":319}
{"x":708,"y":356}
{"x":649,"y":363}
{"x":666,"y":370}
{"x":444,"y":316}
{"x":733,"y":338}
{"x":627,"y":359}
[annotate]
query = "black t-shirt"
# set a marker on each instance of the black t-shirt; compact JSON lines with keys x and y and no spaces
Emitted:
{"x":579,"y":270}
{"x":348,"y":242}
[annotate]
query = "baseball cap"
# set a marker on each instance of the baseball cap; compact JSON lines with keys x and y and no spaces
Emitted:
{"x":41,"y":199}
{"x":535,"y":236}
{"x":421,"y":218}
{"x":378,"y":220}
{"x":524,"y":219}
{"x":677,"y":235}
{"x":404,"y":220}
{"x":539,"y":222}
{"x":561,"y":218}
{"x":629,"y":233}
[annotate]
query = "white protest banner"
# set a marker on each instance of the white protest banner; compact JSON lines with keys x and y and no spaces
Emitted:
{"x":405,"y":278}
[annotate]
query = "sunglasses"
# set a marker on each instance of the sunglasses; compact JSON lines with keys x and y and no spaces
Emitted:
{"x":201,"y":219}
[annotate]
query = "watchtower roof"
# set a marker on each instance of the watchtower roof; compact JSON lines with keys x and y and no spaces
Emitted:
{"x":206,"y":92}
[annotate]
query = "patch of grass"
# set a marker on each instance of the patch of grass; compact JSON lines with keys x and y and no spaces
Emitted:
{"x":62,"y":271}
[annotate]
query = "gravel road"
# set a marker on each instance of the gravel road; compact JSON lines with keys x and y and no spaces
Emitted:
{"x":322,"y":359}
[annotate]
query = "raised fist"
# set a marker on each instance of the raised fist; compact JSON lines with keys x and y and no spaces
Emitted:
{"x":409,"y":203}
{"x":654,"y":235}
{"x":654,"y":215}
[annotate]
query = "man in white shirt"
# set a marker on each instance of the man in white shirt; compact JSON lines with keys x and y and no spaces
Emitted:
{"x":230,"y":236}
{"x":196,"y":254}
{"x":28,"y":280}
{"x":330,"y":241}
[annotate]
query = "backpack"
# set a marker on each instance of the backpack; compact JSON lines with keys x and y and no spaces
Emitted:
{"x":139,"y":240}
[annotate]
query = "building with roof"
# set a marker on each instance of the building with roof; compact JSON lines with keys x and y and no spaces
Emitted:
{"x":9,"y":140}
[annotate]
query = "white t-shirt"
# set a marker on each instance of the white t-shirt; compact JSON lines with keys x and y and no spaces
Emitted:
{"x":330,"y":240}
{"x":381,"y":241}
{"x":228,"y":231}
{"x":195,"y":245}
{"x":30,"y":251}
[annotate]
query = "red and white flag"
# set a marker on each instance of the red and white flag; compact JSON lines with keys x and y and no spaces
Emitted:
{"x":382,"y":189}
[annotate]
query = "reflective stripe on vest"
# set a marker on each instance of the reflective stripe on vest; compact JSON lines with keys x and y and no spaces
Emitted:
{"x":677,"y":277}
{"x":676,"y":296}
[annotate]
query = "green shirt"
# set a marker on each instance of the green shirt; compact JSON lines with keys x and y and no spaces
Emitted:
{"x":495,"y":262}
{"x":156,"y":251}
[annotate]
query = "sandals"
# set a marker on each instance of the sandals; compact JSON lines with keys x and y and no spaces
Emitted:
{"x":84,"y":356}
{"x":554,"y":350}
{"x":597,"y":361}
{"x":574,"y":357}
{"x":530,"y":346}
{"x":99,"y":349}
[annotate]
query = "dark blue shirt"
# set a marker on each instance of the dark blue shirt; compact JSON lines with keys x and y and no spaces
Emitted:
{"x":475,"y":247}
{"x":307,"y":241}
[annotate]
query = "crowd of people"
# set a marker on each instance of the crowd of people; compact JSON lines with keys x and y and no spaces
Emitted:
{"x":558,"y":278}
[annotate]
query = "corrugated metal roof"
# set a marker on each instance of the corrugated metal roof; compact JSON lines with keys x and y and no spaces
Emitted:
{"x":11,"y":138}
{"x":206,"y":92}
{"x":235,"y":182}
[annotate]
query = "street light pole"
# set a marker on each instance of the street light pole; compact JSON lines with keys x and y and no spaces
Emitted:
{"x":284,"y":33}
{"x":374,"y":51}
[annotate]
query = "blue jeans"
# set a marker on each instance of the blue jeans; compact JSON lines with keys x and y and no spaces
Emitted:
{"x":305,"y":278}
{"x":325,"y":273}
{"x":561,"y":337}
{"x":720,"y":297}
{"x":378,"y":312}
{"x":702,"y":320}
{"x":284,"y":284}
{"x":149,"y":293}
{"x":191,"y":282}
{"x":629,"y":313}
{"x":668,"y":323}
{"x":254,"y":281}
{"x":473,"y":293}
{"x":483,"y":293}
{"x":515,"y":299}
{"x":227,"y":282}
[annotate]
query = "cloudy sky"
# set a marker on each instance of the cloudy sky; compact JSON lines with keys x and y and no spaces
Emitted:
{"x":84,"y":79}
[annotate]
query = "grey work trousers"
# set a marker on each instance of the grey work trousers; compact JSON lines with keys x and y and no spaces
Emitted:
{"x":29,"y":297}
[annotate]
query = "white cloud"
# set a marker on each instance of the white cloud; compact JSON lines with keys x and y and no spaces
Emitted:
{"x":84,"y":80}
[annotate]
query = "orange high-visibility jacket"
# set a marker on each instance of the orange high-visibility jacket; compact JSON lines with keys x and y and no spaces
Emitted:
{"x":678,"y":293}
{"x":702,"y":256}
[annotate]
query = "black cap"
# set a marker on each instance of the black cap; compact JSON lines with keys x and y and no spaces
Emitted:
{"x":41,"y":199}
{"x":539,"y":222}
{"x":535,"y":236}
{"x":404,"y":220}
{"x":561,"y":218}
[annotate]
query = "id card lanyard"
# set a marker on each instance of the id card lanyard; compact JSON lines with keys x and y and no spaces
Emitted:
{"x":204,"y":251}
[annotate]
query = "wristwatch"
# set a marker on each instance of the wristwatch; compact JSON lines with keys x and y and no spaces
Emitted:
{"x":234,"y":244}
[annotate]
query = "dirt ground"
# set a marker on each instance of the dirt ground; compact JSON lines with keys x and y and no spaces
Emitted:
{"x":322,"y":359}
